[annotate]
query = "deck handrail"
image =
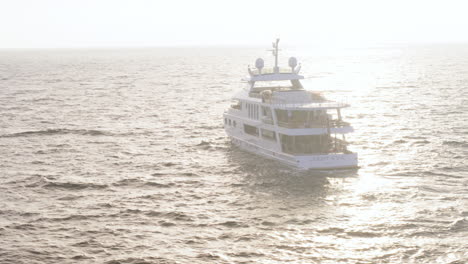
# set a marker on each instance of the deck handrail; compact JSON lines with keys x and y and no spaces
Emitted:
{"x":321,"y":124}
{"x":271,"y":71}
{"x":306,"y":104}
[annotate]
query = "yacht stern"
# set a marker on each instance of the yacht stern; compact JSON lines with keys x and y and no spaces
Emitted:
{"x":328,"y":161}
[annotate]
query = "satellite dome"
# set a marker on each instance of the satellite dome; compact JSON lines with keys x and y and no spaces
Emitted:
{"x":292,"y":62}
{"x":259,"y":63}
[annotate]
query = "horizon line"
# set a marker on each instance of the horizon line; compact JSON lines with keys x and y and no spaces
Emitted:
{"x":256,"y":45}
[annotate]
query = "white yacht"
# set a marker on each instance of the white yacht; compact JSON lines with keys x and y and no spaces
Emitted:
{"x":277,"y":118}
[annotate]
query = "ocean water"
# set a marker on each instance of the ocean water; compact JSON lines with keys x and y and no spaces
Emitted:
{"x":119,"y":156}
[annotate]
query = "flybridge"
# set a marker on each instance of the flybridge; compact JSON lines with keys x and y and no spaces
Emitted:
{"x":276,"y":73}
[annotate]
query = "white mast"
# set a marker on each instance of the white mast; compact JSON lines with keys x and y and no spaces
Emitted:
{"x":275,"y":53}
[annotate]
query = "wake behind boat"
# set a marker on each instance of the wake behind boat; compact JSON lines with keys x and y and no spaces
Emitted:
{"x":277,"y":118}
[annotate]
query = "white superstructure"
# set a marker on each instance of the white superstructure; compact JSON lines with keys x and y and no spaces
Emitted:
{"x":287,"y":122}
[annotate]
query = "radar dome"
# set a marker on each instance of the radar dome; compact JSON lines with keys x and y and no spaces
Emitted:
{"x":259,"y":63}
{"x":292,"y":62}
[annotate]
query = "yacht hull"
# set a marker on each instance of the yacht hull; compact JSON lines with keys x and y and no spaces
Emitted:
{"x":306,"y":162}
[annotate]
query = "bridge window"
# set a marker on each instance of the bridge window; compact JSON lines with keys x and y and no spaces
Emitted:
{"x":236,"y":104}
{"x":252,"y":110}
{"x":301,"y":118}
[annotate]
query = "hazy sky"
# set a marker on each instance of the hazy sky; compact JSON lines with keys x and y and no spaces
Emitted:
{"x":97,"y":23}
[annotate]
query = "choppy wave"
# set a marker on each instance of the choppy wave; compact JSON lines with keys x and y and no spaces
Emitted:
{"x":58,"y":131}
{"x":73,"y":185}
{"x":456,"y":143}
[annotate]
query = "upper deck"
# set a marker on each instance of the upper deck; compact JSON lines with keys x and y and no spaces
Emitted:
{"x":288,"y":99}
{"x":276,"y":97}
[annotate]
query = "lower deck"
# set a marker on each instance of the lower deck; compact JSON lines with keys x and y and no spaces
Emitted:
{"x":277,"y":139}
{"x":322,"y":151}
{"x":307,"y":162}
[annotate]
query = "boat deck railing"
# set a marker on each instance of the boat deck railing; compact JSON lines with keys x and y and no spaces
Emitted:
{"x":314,"y":124}
{"x":305,"y":104}
{"x":271,"y":71}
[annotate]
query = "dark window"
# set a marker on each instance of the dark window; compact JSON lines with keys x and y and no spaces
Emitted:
{"x":268,"y":134}
{"x":236,"y":105}
{"x":305,"y":144}
{"x":251,"y":130}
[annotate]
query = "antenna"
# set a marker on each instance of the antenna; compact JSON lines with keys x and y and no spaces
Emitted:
{"x":275,"y":53}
